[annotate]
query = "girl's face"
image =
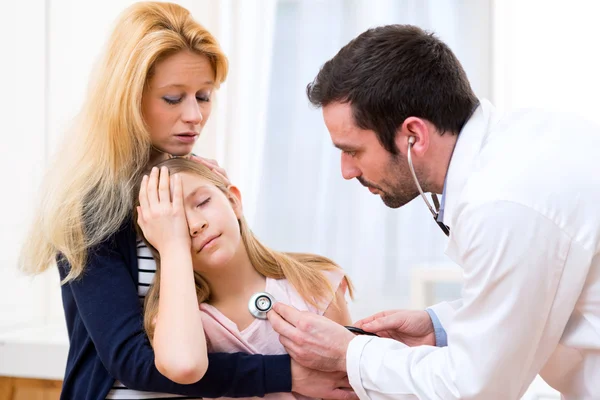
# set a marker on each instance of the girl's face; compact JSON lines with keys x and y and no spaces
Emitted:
{"x":212,"y":217}
{"x":177,"y":101}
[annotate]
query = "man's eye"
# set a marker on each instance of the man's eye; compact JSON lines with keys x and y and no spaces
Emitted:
{"x":350,"y":153}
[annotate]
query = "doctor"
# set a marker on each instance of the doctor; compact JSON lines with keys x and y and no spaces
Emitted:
{"x":520,"y":203}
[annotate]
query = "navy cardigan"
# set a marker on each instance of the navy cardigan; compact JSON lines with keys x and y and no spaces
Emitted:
{"x":108,"y":342}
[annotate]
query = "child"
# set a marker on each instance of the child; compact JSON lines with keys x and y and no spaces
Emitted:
{"x":208,"y":266}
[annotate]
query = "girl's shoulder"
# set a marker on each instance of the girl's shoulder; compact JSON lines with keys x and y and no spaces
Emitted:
{"x":282,"y":290}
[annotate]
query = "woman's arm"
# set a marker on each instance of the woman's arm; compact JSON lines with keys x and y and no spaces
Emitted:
{"x":103,"y":303}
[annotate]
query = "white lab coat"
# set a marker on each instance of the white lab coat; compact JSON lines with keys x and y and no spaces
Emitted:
{"x":523,"y":207}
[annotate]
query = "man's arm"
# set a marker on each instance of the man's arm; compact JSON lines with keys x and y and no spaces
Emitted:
{"x":441,"y":316}
{"x":441,"y":338}
{"x":516,"y":303}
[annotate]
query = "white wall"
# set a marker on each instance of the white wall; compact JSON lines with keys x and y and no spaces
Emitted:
{"x":22,"y":149}
{"x":546,"y":55}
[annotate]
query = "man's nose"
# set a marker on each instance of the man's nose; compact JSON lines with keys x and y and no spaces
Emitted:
{"x":349,"y":168}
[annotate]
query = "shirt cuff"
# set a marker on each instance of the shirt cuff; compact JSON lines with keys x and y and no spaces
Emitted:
{"x":441,"y":339}
{"x":353,"y":355}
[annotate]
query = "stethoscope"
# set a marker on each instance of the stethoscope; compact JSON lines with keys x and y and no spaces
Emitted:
{"x":261,"y":303}
{"x":434,"y":211}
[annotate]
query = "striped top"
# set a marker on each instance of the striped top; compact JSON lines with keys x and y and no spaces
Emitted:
{"x":146,"y":271}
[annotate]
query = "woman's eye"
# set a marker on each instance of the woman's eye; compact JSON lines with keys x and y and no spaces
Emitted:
{"x":172,"y":100}
{"x":204,"y":98}
{"x":205,"y":202}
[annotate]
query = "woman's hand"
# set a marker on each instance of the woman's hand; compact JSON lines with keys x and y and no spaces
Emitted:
{"x":213,"y":165}
{"x":162,"y":218}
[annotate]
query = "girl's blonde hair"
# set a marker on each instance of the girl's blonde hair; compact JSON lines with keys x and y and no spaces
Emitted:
{"x":303,"y":271}
{"x":87,"y":194}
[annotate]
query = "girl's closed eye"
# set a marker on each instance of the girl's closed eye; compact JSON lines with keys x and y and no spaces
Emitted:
{"x":203,"y":203}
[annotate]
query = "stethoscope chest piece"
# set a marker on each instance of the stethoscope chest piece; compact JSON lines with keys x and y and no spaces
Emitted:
{"x":260,"y":303}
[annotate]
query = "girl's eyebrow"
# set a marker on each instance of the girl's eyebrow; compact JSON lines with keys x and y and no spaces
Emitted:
{"x":195,"y":191}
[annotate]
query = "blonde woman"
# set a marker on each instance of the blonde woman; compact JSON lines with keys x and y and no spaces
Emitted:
{"x":148,"y":100}
{"x":208,"y":266}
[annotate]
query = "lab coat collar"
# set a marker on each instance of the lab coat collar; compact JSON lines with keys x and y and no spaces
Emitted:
{"x":464,"y":158}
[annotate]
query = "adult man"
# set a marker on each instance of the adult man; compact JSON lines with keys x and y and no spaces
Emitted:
{"x":520,"y":201}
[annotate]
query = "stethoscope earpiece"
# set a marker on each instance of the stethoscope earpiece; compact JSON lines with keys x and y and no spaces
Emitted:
{"x":260,"y":304}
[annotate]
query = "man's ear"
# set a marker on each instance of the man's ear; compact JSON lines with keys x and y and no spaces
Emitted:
{"x":235,"y":197}
{"x":417,"y":129}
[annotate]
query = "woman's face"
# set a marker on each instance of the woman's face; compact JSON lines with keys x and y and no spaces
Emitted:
{"x":177,"y":101}
{"x":212,"y":217}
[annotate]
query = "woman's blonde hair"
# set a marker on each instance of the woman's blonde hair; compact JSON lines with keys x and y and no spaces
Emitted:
{"x":303,"y":271}
{"x":88,"y":192}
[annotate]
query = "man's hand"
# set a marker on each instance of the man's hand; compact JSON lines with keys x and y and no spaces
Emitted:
{"x":312,"y":340}
{"x":321,"y":385}
{"x":413,"y":328}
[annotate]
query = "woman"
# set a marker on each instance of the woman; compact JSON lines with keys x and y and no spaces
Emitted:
{"x":209,"y":264}
{"x":149,"y":98}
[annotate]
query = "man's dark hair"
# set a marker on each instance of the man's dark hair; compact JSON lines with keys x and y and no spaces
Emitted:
{"x":393,"y":72}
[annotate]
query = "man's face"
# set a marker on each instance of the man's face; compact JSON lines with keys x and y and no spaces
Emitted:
{"x":364,"y":158}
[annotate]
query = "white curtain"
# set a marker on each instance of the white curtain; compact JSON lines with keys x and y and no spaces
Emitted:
{"x":245,"y":30}
{"x":302,"y":202}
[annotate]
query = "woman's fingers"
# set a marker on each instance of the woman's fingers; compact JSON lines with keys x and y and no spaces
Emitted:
{"x":214,"y":166}
{"x":223,"y":174}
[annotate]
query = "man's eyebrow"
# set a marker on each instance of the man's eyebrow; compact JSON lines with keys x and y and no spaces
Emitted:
{"x":344,"y":147}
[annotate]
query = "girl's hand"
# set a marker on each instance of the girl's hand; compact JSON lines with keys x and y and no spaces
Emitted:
{"x":162,"y":218}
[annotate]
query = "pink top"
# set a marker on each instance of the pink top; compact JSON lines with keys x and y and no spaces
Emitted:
{"x":222,"y":334}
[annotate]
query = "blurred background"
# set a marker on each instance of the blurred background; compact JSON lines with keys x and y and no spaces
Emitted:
{"x":517,"y":53}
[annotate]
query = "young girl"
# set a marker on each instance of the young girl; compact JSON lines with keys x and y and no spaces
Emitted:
{"x":209,"y":264}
